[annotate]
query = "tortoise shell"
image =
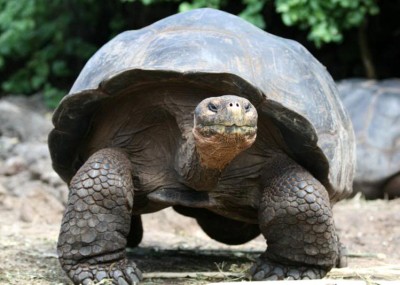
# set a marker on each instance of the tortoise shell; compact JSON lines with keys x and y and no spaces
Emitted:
{"x":374,"y":108}
{"x":212,"y":50}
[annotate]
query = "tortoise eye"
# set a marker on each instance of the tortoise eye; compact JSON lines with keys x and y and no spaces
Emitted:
{"x":247,"y":107}
{"x":212,"y":107}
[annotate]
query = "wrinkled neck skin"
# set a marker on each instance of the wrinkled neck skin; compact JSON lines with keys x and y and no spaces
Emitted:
{"x":192,"y":171}
{"x":218,"y":151}
{"x":202,"y":159}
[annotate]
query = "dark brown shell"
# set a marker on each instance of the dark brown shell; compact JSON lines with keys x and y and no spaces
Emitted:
{"x":279,"y":76}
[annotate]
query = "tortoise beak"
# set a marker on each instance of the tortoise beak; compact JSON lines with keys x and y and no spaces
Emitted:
{"x":228,"y":113}
{"x":223,"y":127}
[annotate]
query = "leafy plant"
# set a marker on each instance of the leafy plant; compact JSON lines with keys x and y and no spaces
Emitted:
{"x":35,"y":37}
{"x":326,"y":20}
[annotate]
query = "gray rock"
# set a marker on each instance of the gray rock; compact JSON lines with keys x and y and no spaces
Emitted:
{"x":26,"y":173}
{"x":22,"y":123}
{"x":13,"y":165}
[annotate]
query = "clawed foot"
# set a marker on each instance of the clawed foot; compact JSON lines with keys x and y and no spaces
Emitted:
{"x":265,"y":269}
{"x":123,"y":272}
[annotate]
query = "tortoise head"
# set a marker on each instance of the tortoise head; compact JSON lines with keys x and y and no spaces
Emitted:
{"x":223,"y":127}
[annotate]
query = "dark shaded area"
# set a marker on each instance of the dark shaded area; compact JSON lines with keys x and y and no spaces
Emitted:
{"x":182,"y":260}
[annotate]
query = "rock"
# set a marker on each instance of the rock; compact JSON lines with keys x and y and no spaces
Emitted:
{"x":3,"y":190}
{"x":34,"y":103}
{"x":6,"y":146}
{"x":15,"y":184}
{"x":22,"y":123}
{"x":32,"y":151}
{"x":26,"y":172}
{"x":13,"y":166}
{"x":39,"y":163}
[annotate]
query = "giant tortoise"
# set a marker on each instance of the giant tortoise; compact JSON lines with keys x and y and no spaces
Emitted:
{"x":239,"y":129}
{"x":374,"y":108}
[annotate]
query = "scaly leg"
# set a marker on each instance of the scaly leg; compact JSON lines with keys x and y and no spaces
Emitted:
{"x":96,"y":224}
{"x":296,"y":219}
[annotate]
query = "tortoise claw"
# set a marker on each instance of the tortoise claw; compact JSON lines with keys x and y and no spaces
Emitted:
{"x":265,"y":269}
{"x":123,"y":272}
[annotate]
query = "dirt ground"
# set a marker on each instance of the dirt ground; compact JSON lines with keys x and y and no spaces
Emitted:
{"x":173,"y":243}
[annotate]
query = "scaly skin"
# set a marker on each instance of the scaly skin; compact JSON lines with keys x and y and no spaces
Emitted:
{"x":296,"y":219}
{"x":95,"y":226}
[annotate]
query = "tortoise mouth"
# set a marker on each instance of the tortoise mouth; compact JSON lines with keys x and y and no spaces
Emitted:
{"x":245,"y":131}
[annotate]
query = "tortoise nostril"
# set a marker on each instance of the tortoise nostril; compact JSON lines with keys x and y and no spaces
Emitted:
{"x":234,"y":104}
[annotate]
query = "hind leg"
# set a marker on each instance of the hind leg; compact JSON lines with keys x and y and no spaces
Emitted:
{"x":296,"y":219}
{"x":220,"y":228}
{"x":96,"y":223}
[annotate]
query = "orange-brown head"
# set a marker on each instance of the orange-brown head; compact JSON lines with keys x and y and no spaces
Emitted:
{"x":223,"y":127}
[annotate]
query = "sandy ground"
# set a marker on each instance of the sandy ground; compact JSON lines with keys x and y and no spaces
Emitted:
{"x":173,"y":243}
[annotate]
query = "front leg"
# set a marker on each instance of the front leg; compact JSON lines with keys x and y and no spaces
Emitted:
{"x":296,"y":219}
{"x":96,"y":224}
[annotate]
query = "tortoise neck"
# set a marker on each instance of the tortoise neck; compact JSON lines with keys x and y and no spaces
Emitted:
{"x":195,"y":173}
{"x":216,"y":152}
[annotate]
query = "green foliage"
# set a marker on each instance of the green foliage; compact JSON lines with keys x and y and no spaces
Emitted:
{"x":35,"y":36}
{"x":44,"y":44}
{"x":326,"y":20}
{"x":252,"y":11}
{"x":186,"y":6}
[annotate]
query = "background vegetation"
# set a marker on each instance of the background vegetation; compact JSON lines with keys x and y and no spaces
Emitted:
{"x":44,"y":44}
